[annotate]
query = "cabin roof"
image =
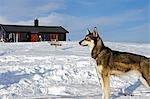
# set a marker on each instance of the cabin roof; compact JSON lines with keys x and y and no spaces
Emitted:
{"x":33,"y":29}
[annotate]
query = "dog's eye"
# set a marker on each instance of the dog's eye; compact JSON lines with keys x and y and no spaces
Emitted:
{"x":86,"y":38}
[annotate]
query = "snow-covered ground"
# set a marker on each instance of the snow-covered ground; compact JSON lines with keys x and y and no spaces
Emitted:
{"x":39,"y":70}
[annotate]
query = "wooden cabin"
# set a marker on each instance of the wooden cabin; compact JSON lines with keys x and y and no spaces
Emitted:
{"x":23,"y":33}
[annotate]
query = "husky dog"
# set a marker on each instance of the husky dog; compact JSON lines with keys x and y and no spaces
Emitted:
{"x":110,"y":62}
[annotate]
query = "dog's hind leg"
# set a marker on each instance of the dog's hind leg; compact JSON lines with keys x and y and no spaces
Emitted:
{"x":144,"y":78}
{"x":145,"y":72}
{"x":144,"y":82}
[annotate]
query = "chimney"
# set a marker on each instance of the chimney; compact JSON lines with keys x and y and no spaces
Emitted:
{"x":36,"y":22}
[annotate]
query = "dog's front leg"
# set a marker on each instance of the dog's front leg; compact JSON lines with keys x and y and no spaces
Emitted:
{"x":105,"y":81}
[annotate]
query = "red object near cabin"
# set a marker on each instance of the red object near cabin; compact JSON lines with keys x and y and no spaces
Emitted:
{"x":34,"y":38}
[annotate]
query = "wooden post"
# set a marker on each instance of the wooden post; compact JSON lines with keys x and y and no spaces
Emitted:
{"x":16,"y":37}
{"x":56,"y":37}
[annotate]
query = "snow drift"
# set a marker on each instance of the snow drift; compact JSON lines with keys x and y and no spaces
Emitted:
{"x":31,"y":70}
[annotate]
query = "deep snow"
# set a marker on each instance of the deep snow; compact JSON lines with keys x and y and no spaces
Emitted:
{"x":31,"y":70}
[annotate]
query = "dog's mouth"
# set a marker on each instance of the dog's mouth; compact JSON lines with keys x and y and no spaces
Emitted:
{"x":84,"y":45}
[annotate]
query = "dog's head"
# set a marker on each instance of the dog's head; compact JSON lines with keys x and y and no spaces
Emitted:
{"x":90,"y":38}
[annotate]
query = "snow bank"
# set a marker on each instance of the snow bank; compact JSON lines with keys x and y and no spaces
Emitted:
{"x":30,"y":70}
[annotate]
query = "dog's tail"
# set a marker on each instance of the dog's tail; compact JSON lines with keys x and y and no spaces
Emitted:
{"x":145,"y":70}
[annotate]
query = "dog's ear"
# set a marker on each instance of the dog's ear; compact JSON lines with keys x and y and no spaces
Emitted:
{"x":88,"y":31}
{"x":95,"y":33}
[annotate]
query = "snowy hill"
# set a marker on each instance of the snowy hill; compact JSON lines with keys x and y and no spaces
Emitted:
{"x":38,"y":70}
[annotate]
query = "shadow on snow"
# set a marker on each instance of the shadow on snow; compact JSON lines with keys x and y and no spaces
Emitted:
{"x":128,"y":91}
{"x":9,"y":78}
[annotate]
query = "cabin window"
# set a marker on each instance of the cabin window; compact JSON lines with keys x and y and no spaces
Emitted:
{"x":24,"y":37}
{"x":61,"y":37}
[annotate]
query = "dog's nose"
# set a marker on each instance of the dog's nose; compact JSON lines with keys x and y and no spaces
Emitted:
{"x":80,"y":42}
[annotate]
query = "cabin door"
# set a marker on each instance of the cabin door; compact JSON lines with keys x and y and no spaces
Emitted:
{"x":34,"y":38}
{"x":53,"y":37}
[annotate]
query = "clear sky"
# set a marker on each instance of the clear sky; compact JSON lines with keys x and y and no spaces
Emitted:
{"x":116,"y":20}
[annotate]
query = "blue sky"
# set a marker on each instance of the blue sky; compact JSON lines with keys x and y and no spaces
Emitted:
{"x":116,"y":20}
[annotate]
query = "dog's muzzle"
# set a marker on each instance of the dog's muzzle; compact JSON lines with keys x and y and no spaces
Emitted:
{"x":82,"y":43}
